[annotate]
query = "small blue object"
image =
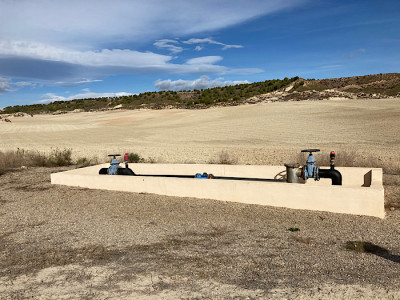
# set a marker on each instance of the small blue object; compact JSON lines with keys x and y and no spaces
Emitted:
{"x":114,"y":165}
{"x":201,"y":176}
{"x":311,"y":170}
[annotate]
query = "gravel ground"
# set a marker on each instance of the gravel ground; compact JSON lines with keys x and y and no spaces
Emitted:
{"x":63,"y":242}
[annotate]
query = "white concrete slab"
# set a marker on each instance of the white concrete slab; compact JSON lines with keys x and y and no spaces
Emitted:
{"x":361,"y":193}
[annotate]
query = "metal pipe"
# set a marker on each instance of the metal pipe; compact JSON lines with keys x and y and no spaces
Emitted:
{"x":213,"y":177}
{"x":331,"y":173}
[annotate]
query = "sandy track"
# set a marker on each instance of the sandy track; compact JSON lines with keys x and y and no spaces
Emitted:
{"x":252,"y":133}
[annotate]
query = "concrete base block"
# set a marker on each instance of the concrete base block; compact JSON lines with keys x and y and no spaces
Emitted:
{"x":361,"y":193}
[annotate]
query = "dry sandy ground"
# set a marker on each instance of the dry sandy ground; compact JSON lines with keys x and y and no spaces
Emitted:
{"x":59,"y":242}
{"x":256,"y":134}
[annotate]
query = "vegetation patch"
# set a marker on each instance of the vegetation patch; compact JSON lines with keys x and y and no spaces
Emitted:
{"x":135,"y":158}
{"x":365,"y":247}
{"x":56,"y":158}
{"x":224,"y":158}
{"x":232,"y":95}
{"x":293,"y":229}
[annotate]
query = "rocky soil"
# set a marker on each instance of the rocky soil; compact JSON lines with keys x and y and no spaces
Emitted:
{"x":63,"y":242}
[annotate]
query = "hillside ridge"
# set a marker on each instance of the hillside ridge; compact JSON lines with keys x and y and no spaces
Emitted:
{"x":293,"y":89}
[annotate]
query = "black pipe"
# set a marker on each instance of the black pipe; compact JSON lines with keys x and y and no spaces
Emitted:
{"x":215,"y":177}
{"x":331,"y":173}
{"x":129,"y":172}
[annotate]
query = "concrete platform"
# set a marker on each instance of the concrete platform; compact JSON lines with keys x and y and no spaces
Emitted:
{"x":361,"y":193}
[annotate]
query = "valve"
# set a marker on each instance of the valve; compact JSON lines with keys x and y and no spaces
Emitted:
{"x":310,"y":170}
{"x":332,"y":156}
{"x":114,"y":165}
{"x":126,"y":159}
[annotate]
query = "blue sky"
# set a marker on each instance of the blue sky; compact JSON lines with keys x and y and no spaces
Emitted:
{"x":67,"y":49}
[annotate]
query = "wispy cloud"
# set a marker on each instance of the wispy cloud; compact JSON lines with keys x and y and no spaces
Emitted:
{"x":50,"y":97}
{"x":78,"y":82}
{"x":203,"y":82}
{"x":355,"y":53}
{"x":24,"y":83}
{"x":169,"y":45}
{"x":90,"y":24}
{"x":75,"y":67}
{"x":4,"y":85}
{"x":210,"y":41}
{"x":198,"y":48}
{"x":204,"y":60}
{"x":104,"y":57}
{"x":7,"y":85}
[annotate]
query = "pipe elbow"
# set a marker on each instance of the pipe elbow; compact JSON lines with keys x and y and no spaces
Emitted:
{"x":333,"y":174}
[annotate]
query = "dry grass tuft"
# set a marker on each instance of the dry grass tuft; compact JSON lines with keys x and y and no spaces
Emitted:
{"x":82,"y":162}
{"x":224,"y":158}
{"x":56,"y":158}
{"x":11,"y":159}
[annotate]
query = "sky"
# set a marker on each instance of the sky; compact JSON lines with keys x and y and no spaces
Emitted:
{"x":69,"y":49}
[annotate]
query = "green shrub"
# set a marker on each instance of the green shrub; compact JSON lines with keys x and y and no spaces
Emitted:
{"x":60,"y":158}
{"x":38,"y":159}
{"x":134,"y":158}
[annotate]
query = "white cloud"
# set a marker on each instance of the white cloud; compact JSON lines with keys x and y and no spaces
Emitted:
{"x":201,"y":83}
{"x":198,"y":48}
{"x":105,"y":62}
{"x":78,"y":82}
{"x":91,"y":24}
{"x":104,"y":57}
{"x":231,"y":46}
{"x":204,"y":60}
{"x":50,"y":97}
{"x":77,"y":42}
{"x":168,"y":45}
{"x":210,"y":41}
{"x":23,"y":83}
{"x":4,"y":85}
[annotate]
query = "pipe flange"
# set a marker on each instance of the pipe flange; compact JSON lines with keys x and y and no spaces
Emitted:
{"x":316,"y":178}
